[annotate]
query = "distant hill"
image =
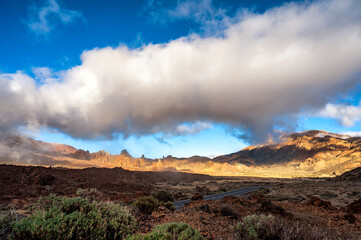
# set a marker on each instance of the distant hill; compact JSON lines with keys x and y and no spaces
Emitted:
{"x":17,"y":141}
{"x":352,"y":176}
{"x":301,"y":147}
{"x":305,"y":154}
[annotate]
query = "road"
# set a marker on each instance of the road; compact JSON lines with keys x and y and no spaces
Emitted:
{"x":237,"y":192}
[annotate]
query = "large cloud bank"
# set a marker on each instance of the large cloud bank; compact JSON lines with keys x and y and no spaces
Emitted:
{"x":266,"y":68}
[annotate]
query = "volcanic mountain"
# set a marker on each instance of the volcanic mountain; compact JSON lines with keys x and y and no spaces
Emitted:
{"x":305,"y":154}
{"x":311,"y":146}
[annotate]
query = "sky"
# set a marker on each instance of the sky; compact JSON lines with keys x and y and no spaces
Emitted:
{"x":178,"y":78}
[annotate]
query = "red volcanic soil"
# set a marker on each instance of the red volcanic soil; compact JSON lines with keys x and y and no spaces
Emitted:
{"x":215,"y":219}
{"x":23,"y":184}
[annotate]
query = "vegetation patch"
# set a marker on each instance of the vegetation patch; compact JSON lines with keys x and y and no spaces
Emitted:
{"x":262,"y":227}
{"x":149,"y":204}
{"x":75,"y":218}
{"x":8,"y":216}
{"x":163,"y":196}
{"x":171,"y":231}
{"x":89,"y":193}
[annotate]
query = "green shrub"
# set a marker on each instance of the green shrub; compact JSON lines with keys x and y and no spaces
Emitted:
{"x":254,"y":227}
{"x":171,"y":231}
{"x":89,"y":193}
{"x":168,"y":205}
{"x":163,"y":196}
{"x":147,"y":205}
{"x":75,"y":218}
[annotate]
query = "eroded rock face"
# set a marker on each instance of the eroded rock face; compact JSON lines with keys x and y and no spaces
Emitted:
{"x":80,"y":154}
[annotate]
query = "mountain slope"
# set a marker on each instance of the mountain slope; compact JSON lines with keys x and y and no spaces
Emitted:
{"x":306,"y":154}
{"x":17,"y":141}
{"x":298,"y":147}
{"x":353,"y":176}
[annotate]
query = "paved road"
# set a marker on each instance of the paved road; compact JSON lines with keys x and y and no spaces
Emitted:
{"x":237,"y":192}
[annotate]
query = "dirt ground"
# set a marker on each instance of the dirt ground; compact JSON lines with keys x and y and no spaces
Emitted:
{"x":318,"y":202}
{"x":339,"y":194}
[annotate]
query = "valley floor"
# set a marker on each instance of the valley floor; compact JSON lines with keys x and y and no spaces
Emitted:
{"x":319,"y":202}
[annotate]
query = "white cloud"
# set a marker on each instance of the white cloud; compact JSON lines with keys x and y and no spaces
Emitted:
{"x":44,"y":19}
{"x":266,"y":67}
{"x":190,"y":129}
{"x":182,"y":129}
{"x":345,"y":114}
{"x":351,"y":134}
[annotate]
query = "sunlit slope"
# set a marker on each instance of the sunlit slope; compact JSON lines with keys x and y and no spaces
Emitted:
{"x":306,"y":154}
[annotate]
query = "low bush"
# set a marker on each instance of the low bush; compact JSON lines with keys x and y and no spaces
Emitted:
{"x":75,"y":218}
{"x":163,"y":196}
{"x":147,"y":205}
{"x":89,"y":193}
{"x":168,"y":205}
{"x":254,"y":227}
{"x":262,"y":227}
{"x":171,"y":231}
{"x":165,"y":199}
{"x":228,"y":210}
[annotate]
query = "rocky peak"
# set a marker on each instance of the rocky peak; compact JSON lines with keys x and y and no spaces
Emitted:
{"x":125,"y":153}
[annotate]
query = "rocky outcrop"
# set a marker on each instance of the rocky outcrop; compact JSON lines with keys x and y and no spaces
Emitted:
{"x":80,"y":154}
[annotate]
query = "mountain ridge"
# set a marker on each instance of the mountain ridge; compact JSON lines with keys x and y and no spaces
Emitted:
{"x":305,"y":154}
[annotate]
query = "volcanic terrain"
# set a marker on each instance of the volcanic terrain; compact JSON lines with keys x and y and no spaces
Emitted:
{"x":305,"y":154}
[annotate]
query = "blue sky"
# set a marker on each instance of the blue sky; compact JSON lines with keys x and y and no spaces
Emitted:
{"x":53,"y":43}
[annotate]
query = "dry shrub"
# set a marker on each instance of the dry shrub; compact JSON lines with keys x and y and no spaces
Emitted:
{"x":89,"y":193}
{"x":171,"y":231}
{"x":8,"y":217}
{"x":262,"y":227}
